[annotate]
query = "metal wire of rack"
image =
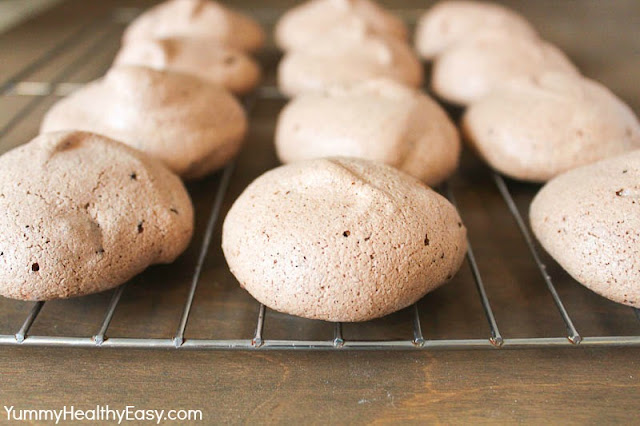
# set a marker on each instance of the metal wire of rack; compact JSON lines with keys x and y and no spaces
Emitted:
{"x":17,"y":85}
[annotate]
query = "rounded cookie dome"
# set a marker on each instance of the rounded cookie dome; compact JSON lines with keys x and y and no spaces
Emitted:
{"x":311,"y":20}
{"x":216,"y":63}
{"x":338,"y":59}
{"x":341,"y":239}
{"x":197,"y":19}
{"x":534,"y":128}
{"x":193,"y":126}
{"x":80,"y":213}
{"x":449,"y":22}
{"x":379,"y":120}
{"x":475,"y":66}
{"x":588,"y":219}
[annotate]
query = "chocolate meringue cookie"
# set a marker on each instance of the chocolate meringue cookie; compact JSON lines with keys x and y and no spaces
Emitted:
{"x":341,"y":59}
{"x":449,"y":22}
{"x":80,"y":214}
{"x":313,"y":19}
{"x":341,"y":239}
{"x":193,"y":126}
{"x":588,"y":219}
{"x":534,"y":128}
{"x":477,"y":65}
{"x":379,"y":120}
{"x":197,"y":19}
{"x":217,"y":63}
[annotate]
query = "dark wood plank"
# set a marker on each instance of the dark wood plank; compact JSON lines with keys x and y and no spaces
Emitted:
{"x":533,"y":387}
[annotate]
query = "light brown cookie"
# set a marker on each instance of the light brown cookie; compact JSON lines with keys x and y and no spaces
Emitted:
{"x":311,"y":20}
{"x":216,"y":63}
{"x":534,"y":128}
{"x":341,"y":59}
{"x":588,"y":219}
{"x":475,"y":66}
{"x":378,"y":120}
{"x":449,"y":22}
{"x":80,"y":213}
{"x":197,"y":19}
{"x":193,"y":126}
{"x":341,"y":239}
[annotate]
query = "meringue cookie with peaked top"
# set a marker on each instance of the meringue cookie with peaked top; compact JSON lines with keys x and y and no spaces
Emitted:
{"x":193,"y":126}
{"x":81,"y":213}
{"x":197,"y":19}
{"x":313,"y":19}
{"x":449,"y":22}
{"x":339,"y":58}
{"x":379,"y":120}
{"x":219,"y":64}
{"x":534,"y":128}
{"x":475,"y":66}
{"x":341,"y":239}
{"x":588,"y":219}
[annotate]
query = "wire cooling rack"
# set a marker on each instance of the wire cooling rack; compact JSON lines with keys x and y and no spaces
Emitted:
{"x":26,"y":97}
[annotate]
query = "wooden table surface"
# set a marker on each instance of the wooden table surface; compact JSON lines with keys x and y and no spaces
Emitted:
{"x":573,"y":385}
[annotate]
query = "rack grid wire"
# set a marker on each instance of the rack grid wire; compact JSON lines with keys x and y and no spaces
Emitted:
{"x":19,"y":85}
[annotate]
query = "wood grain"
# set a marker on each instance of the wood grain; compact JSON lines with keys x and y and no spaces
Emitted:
{"x":556,"y":387}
